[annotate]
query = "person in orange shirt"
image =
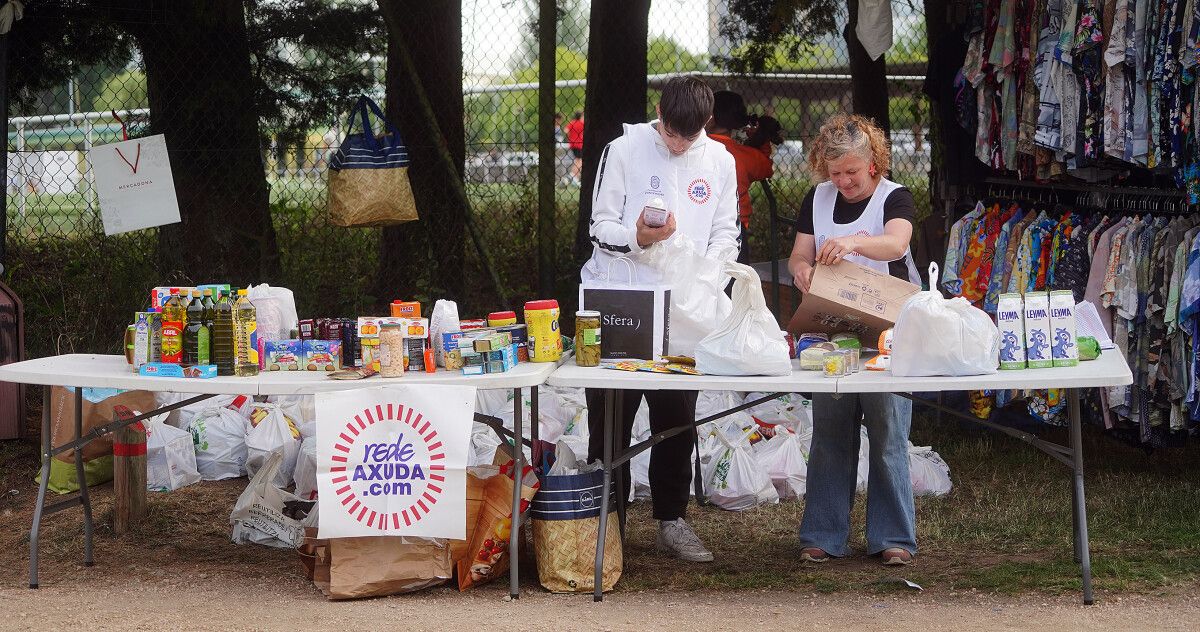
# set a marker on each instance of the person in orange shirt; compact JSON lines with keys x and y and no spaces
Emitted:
{"x":752,"y":163}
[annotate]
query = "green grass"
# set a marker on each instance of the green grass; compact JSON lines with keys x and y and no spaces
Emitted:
{"x":1005,"y":528}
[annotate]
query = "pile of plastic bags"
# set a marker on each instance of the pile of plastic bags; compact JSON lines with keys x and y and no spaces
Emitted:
{"x":749,"y":458}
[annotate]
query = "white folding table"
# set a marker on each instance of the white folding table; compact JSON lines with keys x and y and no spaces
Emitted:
{"x":1110,"y":369}
{"x":111,"y":371}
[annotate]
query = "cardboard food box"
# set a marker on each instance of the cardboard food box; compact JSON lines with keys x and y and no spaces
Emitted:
{"x":849,"y":297}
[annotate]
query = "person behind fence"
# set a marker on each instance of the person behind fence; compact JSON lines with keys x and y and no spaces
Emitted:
{"x":859,"y":215}
{"x":753,"y":162}
{"x":575,"y":142}
{"x":673,"y":159}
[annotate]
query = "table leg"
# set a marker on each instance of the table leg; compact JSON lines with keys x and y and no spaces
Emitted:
{"x":698,"y":477}
{"x":41,"y":495}
{"x":1081,"y":533}
{"x":622,"y":499}
{"x":514,"y":537}
{"x":83,"y":488}
{"x":535,"y":420}
{"x":605,"y":495}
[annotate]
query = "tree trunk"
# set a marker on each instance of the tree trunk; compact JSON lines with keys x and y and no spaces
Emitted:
{"x":197,"y":79}
{"x":616,"y":93}
{"x":431,"y":34}
{"x":868,"y":79}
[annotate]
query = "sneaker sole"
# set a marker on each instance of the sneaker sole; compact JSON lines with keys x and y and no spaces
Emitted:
{"x":681,"y":556}
{"x":805,"y":557}
{"x":896,"y":561}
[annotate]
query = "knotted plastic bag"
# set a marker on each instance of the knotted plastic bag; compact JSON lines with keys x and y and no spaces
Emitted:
{"x":936,"y":336}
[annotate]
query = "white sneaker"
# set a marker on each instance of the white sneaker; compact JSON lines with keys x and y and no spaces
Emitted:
{"x":676,"y":538}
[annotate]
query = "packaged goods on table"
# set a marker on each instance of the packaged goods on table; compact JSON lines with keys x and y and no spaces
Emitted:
{"x":587,"y":338}
{"x":390,"y":350}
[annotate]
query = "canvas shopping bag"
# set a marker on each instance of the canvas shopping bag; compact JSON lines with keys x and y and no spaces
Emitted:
{"x":368,"y":176}
{"x":565,"y":514}
{"x":98,"y":404}
{"x":635,"y":317}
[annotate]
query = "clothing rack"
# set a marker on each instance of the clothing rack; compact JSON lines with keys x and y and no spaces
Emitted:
{"x":1115,"y":198}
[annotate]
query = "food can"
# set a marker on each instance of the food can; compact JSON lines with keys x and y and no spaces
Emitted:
{"x":545,"y":341}
{"x":501,"y":319}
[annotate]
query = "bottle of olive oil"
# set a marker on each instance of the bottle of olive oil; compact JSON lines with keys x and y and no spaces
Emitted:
{"x":196,"y":335}
{"x":223,"y":354}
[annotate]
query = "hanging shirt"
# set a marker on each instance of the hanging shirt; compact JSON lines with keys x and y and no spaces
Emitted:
{"x":956,"y":248}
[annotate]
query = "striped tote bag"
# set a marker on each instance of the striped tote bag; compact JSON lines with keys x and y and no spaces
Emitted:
{"x":368,"y":175}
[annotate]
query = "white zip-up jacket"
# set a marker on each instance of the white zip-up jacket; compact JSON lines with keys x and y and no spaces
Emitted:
{"x":699,"y":188}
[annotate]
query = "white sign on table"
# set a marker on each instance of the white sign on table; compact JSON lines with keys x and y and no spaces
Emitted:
{"x":392,"y":461}
{"x":134,"y":184}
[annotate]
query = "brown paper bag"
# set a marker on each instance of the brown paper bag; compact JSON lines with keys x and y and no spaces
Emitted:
{"x":95,"y":414}
{"x":487,"y":557}
{"x":476,"y":484}
{"x":385,"y":565}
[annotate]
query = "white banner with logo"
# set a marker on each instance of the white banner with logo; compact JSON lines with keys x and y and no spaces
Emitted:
{"x":134,"y":184}
{"x":392,"y":461}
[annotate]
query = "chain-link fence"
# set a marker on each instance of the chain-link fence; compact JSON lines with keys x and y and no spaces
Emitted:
{"x":80,"y":286}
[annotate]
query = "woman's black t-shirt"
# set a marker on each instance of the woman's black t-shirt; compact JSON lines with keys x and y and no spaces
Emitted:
{"x":900,"y":204}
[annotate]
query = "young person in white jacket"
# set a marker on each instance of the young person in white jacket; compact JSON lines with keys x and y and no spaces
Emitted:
{"x":670,"y":158}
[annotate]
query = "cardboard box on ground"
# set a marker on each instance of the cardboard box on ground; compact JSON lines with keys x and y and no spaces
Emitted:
{"x":847,"y":297}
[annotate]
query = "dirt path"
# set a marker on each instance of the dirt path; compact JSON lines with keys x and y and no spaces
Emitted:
{"x":222,"y":601}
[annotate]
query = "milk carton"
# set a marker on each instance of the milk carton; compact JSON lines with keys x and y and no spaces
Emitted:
{"x":1037,"y":330}
{"x":1010,"y":319}
{"x":1062,"y":328}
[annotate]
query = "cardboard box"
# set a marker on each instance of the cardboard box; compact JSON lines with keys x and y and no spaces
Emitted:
{"x":851,"y":298}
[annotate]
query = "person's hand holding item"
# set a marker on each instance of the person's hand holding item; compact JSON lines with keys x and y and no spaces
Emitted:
{"x":648,"y":235}
{"x":802,"y":273}
{"x":836,"y":249}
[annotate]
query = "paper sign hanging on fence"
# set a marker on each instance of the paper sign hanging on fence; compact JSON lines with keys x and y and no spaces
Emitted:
{"x":392,"y":461}
{"x":134,"y":184}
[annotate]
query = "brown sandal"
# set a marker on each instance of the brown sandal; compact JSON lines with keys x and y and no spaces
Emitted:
{"x":814,"y":555}
{"x":896,"y":557}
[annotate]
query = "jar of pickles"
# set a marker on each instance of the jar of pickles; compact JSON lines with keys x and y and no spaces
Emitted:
{"x":391,"y":350}
{"x":587,"y":338}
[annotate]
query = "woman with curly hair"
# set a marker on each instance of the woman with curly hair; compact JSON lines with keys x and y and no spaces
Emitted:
{"x":859,"y":215}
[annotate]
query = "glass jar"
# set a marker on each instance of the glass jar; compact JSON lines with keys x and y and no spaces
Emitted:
{"x":391,"y":350}
{"x":834,"y":363}
{"x":587,"y":338}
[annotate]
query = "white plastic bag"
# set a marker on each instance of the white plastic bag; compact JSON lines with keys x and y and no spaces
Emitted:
{"x":698,"y":301}
{"x":219,"y":435}
{"x":301,"y":409}
{"x":170,"y":457}
{"x":785,"y":460}
{"x":968,"y":342}
{"x":275,"y":311}
{"x":258,"y":516}
{"x":930,"y":474}
{"x":444,"y":318}
{"x":749,"y":341}
{"x":182,"y":417}
{"x":272,"y":431}
{"x":733,"y":479}
{"x":306,"y":470}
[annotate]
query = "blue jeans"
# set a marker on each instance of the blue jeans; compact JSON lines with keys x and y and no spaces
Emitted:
{"x":833,"y":473}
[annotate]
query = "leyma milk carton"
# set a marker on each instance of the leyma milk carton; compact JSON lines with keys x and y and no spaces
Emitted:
{"x":1037,"y":330}
{"x":1064,"y":350}
{"x":1010,"y":320}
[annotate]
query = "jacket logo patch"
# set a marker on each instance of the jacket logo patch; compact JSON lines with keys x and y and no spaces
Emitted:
{"x":699,"y":190}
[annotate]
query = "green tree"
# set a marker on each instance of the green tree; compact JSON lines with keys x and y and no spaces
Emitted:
{"x":665,"y":55}
{"x":124,"y":90}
